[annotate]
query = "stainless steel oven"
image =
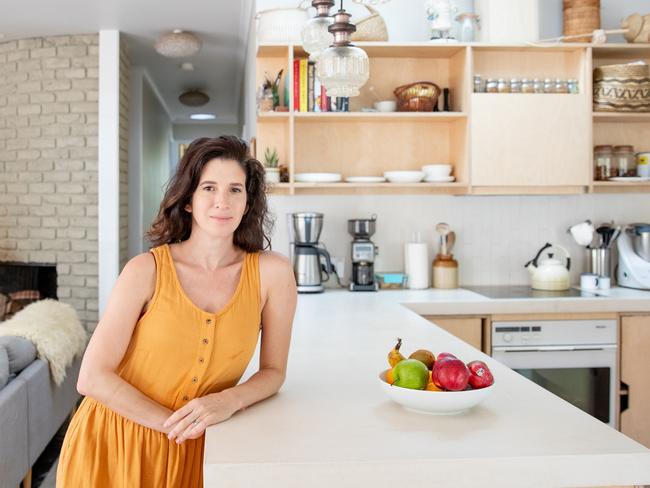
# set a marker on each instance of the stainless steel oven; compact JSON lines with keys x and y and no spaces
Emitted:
{"x":574,"y":359}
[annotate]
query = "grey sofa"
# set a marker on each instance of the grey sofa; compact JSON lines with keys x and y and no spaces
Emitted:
{"x":32,"y":408}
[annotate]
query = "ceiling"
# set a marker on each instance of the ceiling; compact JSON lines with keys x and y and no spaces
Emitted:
{"x":222,"y":26}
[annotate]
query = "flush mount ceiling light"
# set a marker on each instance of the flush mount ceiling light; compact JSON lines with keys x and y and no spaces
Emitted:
{"x":193,"y":98}
{"x":178,"y":44}
{"x":187,"y":66}
{"x":203,"y":116}
{"x":342,"y":68}
{"x":315,"y":36}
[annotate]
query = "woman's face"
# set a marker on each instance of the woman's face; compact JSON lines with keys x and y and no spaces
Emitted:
{"x":219,"y":201}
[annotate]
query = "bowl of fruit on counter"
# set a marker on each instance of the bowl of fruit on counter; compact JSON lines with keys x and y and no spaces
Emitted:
{"x":441,"y":384}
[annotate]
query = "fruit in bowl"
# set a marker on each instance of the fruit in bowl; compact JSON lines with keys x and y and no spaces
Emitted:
{"x":449,"y":386}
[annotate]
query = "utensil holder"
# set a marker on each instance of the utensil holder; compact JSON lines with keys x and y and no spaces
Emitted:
{"x":599,"y":261}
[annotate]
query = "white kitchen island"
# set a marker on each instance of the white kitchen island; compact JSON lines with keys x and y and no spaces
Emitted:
{"x":332,"y":426}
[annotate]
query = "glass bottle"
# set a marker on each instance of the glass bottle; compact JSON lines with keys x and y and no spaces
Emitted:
{"x":478,"y":84}
{"x":603,"y":156}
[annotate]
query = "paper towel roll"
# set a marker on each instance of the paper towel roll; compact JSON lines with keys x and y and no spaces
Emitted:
{"x":416,"y":265}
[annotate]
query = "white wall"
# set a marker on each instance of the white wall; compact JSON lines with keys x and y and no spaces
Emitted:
{"x":495,"y":236}
{"x":156,"y":141}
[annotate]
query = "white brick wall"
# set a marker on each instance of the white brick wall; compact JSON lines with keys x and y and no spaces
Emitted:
{"x":48,"y":161}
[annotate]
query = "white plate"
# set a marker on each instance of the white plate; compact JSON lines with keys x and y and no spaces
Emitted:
{"x":445,"y":179}
{"x":317,"y":177}
{"x":365,"y":179}
{"x":434,"y":402}
{"x":404,"y":176}
{"x":630,"y":178}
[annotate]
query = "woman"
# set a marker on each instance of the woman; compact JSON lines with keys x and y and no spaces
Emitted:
{"x":180,"y":328}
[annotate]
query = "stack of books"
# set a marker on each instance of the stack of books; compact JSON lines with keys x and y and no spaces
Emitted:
{"x":308,"y":93}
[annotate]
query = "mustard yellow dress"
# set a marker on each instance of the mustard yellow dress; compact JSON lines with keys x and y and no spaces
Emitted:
{"x":177,"y":352}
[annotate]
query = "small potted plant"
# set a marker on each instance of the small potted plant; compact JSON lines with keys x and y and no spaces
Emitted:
{"x":271,"y":160}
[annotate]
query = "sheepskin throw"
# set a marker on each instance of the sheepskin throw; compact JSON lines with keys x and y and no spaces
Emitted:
{"x":54,"y":329}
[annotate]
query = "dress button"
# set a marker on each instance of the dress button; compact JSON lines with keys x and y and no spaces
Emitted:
{"x":186,"y":398}
{"x":201,"y":360}
{"x":209,"y":321}
{"x":205,"y":341}
{"x":195,"y":379}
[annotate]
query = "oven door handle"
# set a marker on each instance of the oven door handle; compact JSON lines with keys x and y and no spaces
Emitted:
{"x":555,"y":348}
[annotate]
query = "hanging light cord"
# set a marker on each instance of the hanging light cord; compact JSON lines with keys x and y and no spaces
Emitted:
{"x":341,"y":5}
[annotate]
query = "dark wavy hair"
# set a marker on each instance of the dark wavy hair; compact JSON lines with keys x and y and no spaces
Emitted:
{"x":174,"y":223}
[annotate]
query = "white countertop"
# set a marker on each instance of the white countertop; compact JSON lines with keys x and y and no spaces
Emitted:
{"x":331,"y":425}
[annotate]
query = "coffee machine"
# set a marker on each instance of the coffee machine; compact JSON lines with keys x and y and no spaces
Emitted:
{"x":364,"y":252}
{"x":306,"y":252}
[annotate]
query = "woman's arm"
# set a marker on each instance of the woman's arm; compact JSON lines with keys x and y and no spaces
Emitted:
{"x":279,"y":295}
{"x":97,"y":378}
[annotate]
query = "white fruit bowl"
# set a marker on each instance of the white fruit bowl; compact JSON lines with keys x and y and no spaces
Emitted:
{"x":434,"y":402}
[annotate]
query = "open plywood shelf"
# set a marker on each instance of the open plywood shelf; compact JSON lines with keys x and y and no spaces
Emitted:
{"x":497,"y":139}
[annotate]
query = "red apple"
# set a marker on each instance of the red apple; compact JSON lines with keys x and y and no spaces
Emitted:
{"x":444,"y":355}
{"x":480,"y":375}
{"x":450,"y":374}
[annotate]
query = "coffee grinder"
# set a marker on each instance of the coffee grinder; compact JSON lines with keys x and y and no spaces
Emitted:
{"x":364,"y":252}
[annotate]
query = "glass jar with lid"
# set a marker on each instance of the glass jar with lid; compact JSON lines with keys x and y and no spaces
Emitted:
{"x":572,"y":85}
{"x":624,"y":161}
{"x":538,"y":86}
{"x":491,"y":85}
{"x":478,"y":84}
{"x":549,"y":86}
{"x":527,"y":86}
{"x":561,"y":86}
{"x":503,"y":86}
{"x":603,"y":156}
{"x":515,"y":85}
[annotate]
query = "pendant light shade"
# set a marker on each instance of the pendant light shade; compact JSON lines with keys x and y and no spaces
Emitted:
{"x":343,"y":68}
{"x":315,"y":34}
{"x":178,"y":44}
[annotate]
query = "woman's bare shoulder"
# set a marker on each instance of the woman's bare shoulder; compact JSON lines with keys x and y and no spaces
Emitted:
{"x":140,"y":270}
{"x":274,"y":262}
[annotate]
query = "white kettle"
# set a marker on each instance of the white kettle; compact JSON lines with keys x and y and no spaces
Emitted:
{"x":550,"y":273}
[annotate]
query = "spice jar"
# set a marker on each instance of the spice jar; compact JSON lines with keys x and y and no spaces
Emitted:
{"x":572,"y":85}
{"x":526,"y":86}
{"x":603,"y":156}
{"x":549,"y":86}
{"x":561,"y":86}
{"x":538,"y":86}
{"x":491,"y":86}
{"x":515,"y":85}
{"x":624,"y":161}
{"x":503,"y":86}
{"x":478,"y":84}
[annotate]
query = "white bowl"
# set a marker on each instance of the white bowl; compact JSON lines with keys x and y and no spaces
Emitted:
{"x":434,"y":402}
{"x":437,"y":170}
{"x":317,"y":177}
{"x":385,"y":106}
{"x":404,"y":176}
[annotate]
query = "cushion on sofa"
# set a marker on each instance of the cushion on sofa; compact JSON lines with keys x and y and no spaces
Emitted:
{"x":4,"y":366}
{"x":21,"y":352}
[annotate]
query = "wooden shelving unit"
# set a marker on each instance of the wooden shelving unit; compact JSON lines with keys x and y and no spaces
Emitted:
{"x":497,"y":143}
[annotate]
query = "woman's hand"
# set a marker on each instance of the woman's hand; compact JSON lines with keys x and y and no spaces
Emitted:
{"x":190,"y":421}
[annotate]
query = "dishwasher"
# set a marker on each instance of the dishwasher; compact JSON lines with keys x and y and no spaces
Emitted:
{"x":574,"y":359}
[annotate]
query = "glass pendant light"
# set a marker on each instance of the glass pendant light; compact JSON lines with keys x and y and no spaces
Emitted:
{"x":315,"y":36}
{"x":342,"y":68}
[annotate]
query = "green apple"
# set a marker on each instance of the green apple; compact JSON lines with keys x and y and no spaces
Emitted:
{"x":411,"y":373}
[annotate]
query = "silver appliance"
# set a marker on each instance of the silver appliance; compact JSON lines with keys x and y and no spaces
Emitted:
{"x":363,"y":252}
{"x":306,"y":252}
{"x":634,"y":257}
{"x":574,"y":359}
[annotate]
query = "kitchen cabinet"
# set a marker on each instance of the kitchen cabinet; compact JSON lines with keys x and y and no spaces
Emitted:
{"x":635,"y":382}
{"x":468,"y":329}
{"x":497,"y":143}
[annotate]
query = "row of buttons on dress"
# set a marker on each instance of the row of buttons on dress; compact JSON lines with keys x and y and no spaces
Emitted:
{"x":205,"y":341}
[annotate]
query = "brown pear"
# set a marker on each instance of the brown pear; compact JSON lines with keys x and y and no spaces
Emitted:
{"x":425,"y":356}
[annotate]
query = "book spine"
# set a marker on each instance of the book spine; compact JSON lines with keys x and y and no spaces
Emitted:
{"x":318,"y":99}
{"x":296,"y":85}
{"x":325,"y":105}
{"x":303,"y":85}
{"x":310,"y":87}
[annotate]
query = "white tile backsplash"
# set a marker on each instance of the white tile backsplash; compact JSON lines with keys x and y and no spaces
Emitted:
{"x":495,"y":235}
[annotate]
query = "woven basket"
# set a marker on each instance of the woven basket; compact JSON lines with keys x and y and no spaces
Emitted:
{"x":417,"y":97}
{"x":622,"y":88}
{"x":581,"y":17}
{"x":371,"y":28}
